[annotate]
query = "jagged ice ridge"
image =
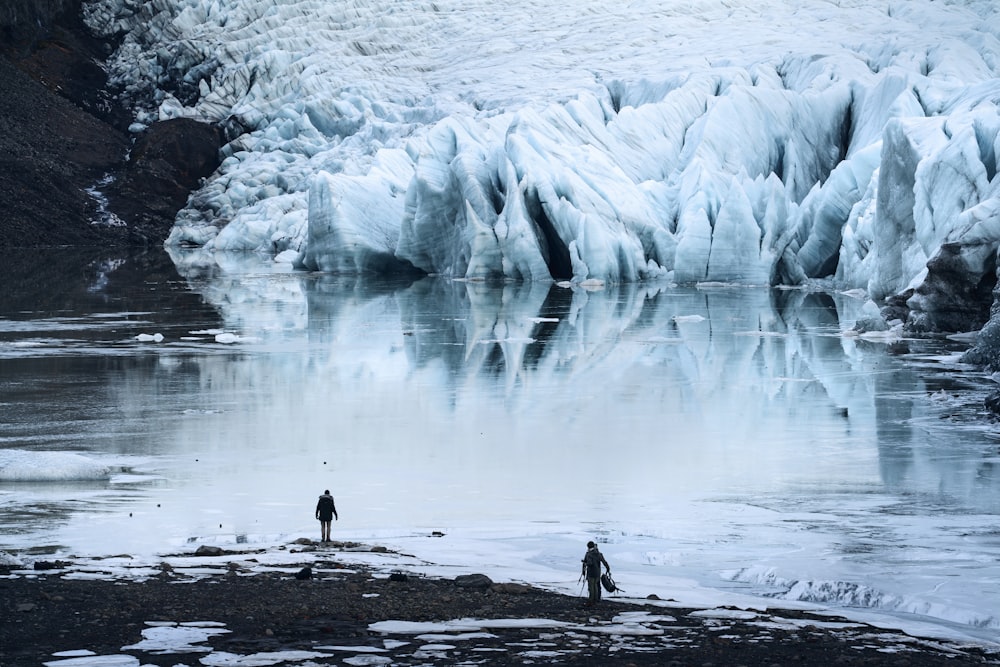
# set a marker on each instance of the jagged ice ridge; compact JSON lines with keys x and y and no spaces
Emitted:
{"x":745,"y":142}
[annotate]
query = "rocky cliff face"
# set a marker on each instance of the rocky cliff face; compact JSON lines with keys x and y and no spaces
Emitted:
{"x":24,"y":21}
{"x":64,"y":145}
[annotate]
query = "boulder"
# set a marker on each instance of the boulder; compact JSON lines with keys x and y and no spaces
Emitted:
{"x":477,"y":581}
{"x":206,"y":550}
{"x":956,"y":294}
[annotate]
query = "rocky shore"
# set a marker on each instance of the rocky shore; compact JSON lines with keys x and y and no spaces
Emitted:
{"x":308,"y":604}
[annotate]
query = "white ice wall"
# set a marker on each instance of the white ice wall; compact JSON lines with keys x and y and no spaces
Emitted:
{"x":751,"y":142}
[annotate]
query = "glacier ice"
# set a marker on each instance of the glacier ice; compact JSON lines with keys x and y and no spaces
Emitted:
{"x":741,"y":142}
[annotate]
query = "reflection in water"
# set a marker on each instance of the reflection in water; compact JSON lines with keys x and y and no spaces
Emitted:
{"x":758,"y":384}
{"x":709,"y":428}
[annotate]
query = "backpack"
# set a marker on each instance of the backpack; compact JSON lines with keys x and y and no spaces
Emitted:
{"x":609,"y":583}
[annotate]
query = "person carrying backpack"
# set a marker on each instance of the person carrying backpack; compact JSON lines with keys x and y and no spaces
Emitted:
{"x":592,"y":561}
{"x":326,"y":511}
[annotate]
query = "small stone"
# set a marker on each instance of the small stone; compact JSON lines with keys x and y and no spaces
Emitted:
{"x":26,"y":606}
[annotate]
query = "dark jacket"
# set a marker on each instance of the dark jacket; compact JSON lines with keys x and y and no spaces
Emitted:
{"x":592,"y":563}
{"x":326,"y":510}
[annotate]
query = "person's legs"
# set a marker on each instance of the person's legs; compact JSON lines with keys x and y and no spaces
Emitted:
{"x":594,"y":588}
{"x":325,"y":530}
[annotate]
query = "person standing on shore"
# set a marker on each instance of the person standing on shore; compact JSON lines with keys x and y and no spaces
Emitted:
{"x":592,"y":561}
{"x":326,"y":512}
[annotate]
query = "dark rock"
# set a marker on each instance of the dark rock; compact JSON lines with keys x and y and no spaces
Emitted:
{"x":64,"y":141}
{"x":512,"y":589}
{"x":992,"y":402}
{"x":304,"y":573}
{"x":480,"y":581}
{"x":957,"y":291}
{"x":168,"y":161}
{"x":51,"y":152}
{"x":397,"y":576}
{"x":986,"y":351}
{"x":895,"y":307}
{"x":22,"y":22}
{"x":206,"y":550}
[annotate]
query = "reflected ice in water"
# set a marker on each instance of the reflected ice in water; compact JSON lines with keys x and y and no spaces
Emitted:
{"x":731,"y":437}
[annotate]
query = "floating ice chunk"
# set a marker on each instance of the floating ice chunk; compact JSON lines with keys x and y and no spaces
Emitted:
{"x":30,"y":466}
{"x":167,"y":639}
{"x":642,"y":617}
{"x":460,"y":625}
{"x":7,"y":560}
{"x":625,"y":630}
{"x":423,"y":627}
{"x":96,"y":661}
{"x":224,"y":659}
{"x":150,"y":338}
{"x":888,"y":335}
{"x":439,"y":637}
{"x":363,"y":660}
{"x":730,"y":614}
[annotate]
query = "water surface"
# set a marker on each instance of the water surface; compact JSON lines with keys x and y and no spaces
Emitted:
{"x":714,"y":439}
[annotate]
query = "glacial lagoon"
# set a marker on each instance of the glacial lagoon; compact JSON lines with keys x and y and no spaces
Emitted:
{"x":721,"y":443}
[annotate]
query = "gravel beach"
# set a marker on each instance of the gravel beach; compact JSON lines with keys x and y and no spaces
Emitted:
{"x":315,"y":608}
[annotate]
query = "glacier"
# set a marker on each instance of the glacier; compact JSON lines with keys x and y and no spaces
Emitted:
{"x":759,"y":143}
